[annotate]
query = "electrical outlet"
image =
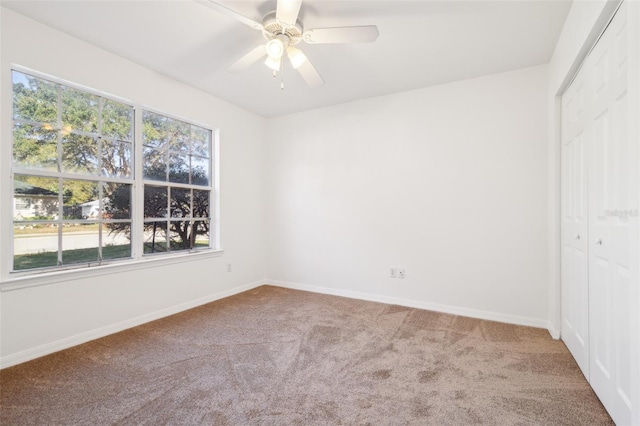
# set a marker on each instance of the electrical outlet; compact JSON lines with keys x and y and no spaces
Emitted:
{"x":228,"y":267}
{"x":392,"y":272}
{"x":400,"y":272}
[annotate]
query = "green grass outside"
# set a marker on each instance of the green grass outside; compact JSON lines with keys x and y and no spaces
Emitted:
{"x":161,"y":246}
{"x":69,"y":257}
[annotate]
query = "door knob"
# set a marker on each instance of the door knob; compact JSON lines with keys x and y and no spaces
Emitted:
{"x":577,"y":236}
{"x":599,"y":241}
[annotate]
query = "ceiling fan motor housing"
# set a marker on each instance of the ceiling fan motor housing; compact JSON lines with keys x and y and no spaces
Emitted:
{"x":273,"y":28}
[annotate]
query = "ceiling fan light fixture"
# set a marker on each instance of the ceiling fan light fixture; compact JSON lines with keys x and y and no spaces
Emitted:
{"x":273,"y":63}
{"x":296,"y":56}
{"x":275,"y":48}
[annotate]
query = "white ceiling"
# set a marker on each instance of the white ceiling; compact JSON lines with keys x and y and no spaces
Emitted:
{"x":421,"y":43}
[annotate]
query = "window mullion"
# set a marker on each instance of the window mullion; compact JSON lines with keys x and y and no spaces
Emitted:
{"x":137,"y":213}
{"x":100,"y":218}
{"x":60,"y":168}
{"x":192,"y":240}
{"x":59,"y":127}
{"x":168,"y":231}
{"x":59,"y":221}
{"x":99,"y":138}
{"x":66,"y":175}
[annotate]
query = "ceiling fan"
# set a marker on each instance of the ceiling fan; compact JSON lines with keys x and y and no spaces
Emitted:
{"x":283,"y":31}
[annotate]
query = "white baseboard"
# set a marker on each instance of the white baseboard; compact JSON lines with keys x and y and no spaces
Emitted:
{"x":46,"y":349}
{"x":447,"y":309}
{"x":555,"y":333}
{"x":29,"y":354}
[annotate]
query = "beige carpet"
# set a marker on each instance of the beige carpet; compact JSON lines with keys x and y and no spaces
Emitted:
{"x":274,"y":356}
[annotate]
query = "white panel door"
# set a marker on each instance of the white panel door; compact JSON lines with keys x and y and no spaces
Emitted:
{"x":574,"y":211}
{"x":614,"y":332}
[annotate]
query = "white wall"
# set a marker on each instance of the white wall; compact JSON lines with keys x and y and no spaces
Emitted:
{"x":448,"y":182}
{"x":584,"y":24}
{"x":39,"y":319}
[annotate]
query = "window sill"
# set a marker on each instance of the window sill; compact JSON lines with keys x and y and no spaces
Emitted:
{"x":45,"y":278}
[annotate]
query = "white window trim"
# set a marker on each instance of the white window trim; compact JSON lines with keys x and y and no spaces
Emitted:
{"x":74,"y":272}
{"x":11,"y":280}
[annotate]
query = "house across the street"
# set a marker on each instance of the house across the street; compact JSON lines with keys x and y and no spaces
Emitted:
{"x":31,"y":202}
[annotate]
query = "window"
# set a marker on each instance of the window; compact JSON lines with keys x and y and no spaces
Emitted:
{"x":76,"y":173}
{"x":176,"y":158}
{"x":23,"y":203}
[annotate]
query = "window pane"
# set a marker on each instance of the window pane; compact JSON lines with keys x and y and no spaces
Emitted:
{"x":201,"y":230}
{"x":80,"y":243}
{"x":80,"y":199}
{"x":34,"y":99}
{"x":116,"y":159}
{"x":180,"y":235}
{"x":155,"y":201}
{"x":154,"y":164}
{"x":79,"y":111}
{"x":180,"y":202}
{"x":117,"y":201}
{"x":155,"y":237}
{"x":179,"y":135}
{"x":200,"y":203}
{"x":35,"y":146}
{"x":117,"y":120}
{"x":179,"y":168}
{"x":199,"y":171}
{"x":116,"y":241}
{"x":201,"y":142}
{"x":35,"y":245}
{"x":79,"y":154}
{"x":42,"y":194}
{"x":154,"y":130}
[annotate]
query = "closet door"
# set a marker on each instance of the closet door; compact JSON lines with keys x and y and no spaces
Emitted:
{"x":574,"y":211}
{"x":614,"y":331}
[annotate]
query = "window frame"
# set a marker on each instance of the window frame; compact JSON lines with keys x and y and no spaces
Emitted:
{"x":38,"y":276}
{"x":170,"y":185}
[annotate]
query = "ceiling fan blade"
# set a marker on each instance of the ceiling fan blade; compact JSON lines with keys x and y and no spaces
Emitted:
{"x":364,"y":34}
{"x":249,"y":59}
{"x":310,"y":75}
{"x":232,"y":13}
{"x":287,"y":11}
